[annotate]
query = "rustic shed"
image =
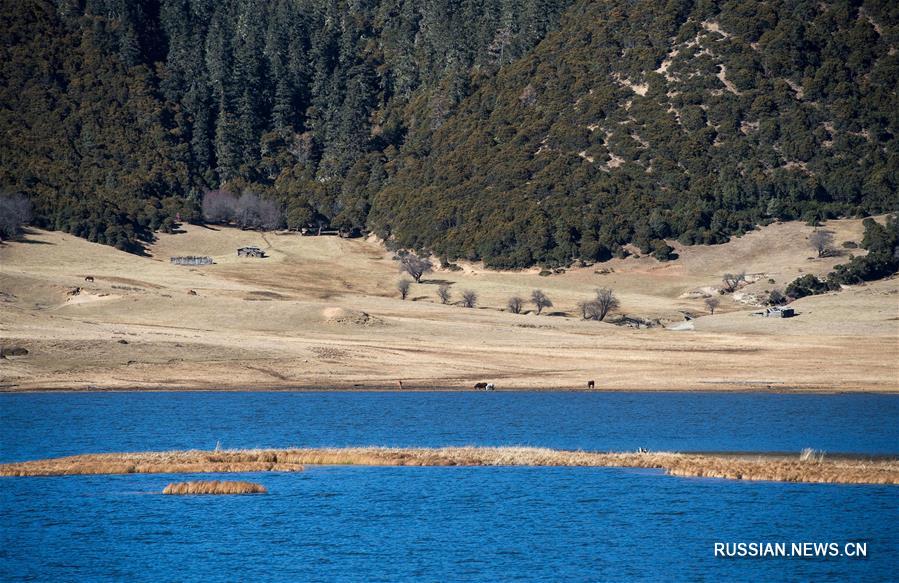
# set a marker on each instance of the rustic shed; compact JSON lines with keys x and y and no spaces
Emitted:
{"x":251,"y":251}
{"x":776,"y":312}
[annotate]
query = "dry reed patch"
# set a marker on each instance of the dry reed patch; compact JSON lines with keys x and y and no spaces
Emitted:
{"x":166,"y":462}
{"x":730,"y":466}
{"x":214,"y":487}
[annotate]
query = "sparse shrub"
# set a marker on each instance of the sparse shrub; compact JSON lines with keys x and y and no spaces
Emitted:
{"x":733,"y":280}
{"x":403,"y":286}
{"x":449,"y":265}
{"x":515,"y":304}
{"x":444,"y":293}
{"x":850,"y":245}
{"x":663,"y":251}
{"x":712,"y":304}
{"x":776,"y":298}
{"x":469,"y":298}
{"x":590,"y":309}
{"x":545,"y":273}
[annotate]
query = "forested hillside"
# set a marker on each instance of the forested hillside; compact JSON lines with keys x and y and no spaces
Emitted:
{"x":513,"y":131}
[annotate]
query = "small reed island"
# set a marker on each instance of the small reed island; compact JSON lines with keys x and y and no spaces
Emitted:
{"x":214,"y":487}
{"x":807,"y":466}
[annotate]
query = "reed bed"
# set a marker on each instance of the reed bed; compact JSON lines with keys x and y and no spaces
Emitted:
{"x":731,"y":466}
{"x":214,"y":487}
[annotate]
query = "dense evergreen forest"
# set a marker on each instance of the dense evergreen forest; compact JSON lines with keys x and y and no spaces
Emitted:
{"x":512,"y":131}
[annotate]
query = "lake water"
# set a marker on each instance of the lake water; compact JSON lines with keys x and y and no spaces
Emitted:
{"x":441,"y":524}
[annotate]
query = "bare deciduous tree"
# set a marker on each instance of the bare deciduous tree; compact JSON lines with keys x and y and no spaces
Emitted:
{"x":469,"y":298}
{"x":252,"y":212}
{"x":540,"y":301}
{"x":403,"y":286}
{"x":248,"y":212}
{"x":415,"y":266}
{"x":218,"y":206}
{"x":443,"y":293}
{"x":606,"y":302}
{"x":712,"y":304}
{"x":822,"y":242}
{"x":515,"y":304}
{"x":15,"y":211}
{"x":733,"y":280}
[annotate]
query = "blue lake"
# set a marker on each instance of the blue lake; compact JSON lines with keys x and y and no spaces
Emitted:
{"x":441,"y":524}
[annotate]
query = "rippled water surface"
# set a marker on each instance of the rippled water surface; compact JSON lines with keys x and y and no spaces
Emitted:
{"x":440,"y":524}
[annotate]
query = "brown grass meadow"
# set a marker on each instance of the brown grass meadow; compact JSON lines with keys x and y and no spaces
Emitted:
{"x":323,"y":313}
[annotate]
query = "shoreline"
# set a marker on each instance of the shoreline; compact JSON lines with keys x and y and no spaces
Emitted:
{"x":816,"y":468}
{"x":438,"y":388}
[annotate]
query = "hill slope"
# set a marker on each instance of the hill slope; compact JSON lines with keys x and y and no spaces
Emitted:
{"x":640,"y":122}
{"x":513,"y":131}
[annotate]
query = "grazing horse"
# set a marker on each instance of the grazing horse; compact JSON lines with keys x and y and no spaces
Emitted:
{"x":591,"y":384}
{"x":481,"y":386}
{"x":89,"y":278}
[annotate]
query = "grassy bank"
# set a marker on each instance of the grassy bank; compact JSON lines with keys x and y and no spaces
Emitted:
{"x":783,"y":468}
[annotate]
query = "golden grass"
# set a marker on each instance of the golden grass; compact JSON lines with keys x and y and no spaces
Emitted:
{"x":214,"y":487}
{"x":321,"y":288}
{"x":731,"y":466}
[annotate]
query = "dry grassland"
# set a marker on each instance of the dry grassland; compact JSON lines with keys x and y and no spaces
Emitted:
{"x":323,"y":313}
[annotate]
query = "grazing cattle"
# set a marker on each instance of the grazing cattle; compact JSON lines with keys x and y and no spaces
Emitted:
{"x":482,"y":386}
{"x":89,"y":278}
{"x":591,"y":385}
{"x":400,"y":383}
{"x":191,"y":292}
{"x":490,"y":387}
{"x":74,"y":291}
